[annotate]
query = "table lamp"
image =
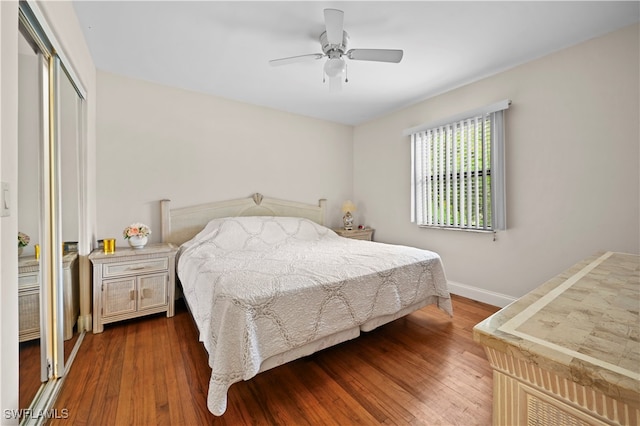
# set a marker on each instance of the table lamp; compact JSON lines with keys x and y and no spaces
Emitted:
{"x":347,"y":208}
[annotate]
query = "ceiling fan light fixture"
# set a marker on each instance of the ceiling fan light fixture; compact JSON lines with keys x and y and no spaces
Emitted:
{"x":334,"y":42}
{"x":335,"y":67}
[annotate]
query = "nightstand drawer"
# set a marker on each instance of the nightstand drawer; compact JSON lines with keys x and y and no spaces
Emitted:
{"x":28,"y":280}
{"x":356,"y":234}
{"x":135,"y":267}
{"x":361,"y":236}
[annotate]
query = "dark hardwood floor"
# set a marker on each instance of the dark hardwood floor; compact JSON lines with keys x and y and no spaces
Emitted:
{"x":29,"y":372}
{"x":29,"y":368}
{"x":421,"y":369}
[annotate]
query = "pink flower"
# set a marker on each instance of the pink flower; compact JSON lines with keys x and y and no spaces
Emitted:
{"x":136,"y":230}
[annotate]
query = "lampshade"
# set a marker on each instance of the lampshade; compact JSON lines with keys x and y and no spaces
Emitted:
{"x":335,"y":67}
{"x":348,"y":206}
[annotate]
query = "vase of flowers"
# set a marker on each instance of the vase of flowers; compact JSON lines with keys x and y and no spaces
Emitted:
{"x":137,"y":234}
{"x":23,"y":241}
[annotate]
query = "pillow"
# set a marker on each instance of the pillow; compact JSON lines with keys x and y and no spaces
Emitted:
{"x":258,"y":232}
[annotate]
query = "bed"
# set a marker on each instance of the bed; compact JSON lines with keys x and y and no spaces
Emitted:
{"x":266,"y":283}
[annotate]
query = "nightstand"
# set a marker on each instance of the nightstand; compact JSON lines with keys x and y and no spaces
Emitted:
{"x":131,"y":283}
{"x":356,"y":234}
{"x":29,"y":296}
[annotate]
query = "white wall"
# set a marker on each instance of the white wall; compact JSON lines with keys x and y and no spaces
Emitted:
{"x":9,"y":225}
{"x":158,"y":142}
{"x":573,"y":157}
{"x":62,"y":19}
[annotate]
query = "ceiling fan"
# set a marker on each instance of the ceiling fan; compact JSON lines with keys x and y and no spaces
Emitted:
{"x":334,"y":46}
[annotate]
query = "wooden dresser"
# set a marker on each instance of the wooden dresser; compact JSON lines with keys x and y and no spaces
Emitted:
{"x":568,"y":353}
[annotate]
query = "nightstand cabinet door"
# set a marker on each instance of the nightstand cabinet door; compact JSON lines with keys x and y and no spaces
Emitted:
{"x":118,"y":296}
{"x":29,"y":318}
{"x":29,"y":306}
{"x":152,"y":291}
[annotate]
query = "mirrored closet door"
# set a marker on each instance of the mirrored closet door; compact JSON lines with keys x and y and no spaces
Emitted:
{"x":32,"y":68}
{"x":69,"y":115}
{"x":50,"y":137}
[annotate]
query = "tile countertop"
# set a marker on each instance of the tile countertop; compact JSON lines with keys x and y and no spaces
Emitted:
{"x":582,"y":325}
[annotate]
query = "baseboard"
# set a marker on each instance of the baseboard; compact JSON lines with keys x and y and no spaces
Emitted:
{"x":479,"y":294}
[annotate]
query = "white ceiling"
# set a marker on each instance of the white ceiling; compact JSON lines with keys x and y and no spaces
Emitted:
{"x":223,"y":48}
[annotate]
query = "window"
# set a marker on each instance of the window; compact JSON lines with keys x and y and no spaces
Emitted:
{"x":458,"y":171}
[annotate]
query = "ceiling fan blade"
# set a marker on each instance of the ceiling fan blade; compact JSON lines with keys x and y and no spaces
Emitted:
{"x":334,"y":21}
{"x":379,"y":55}
{"x":294,"y":59}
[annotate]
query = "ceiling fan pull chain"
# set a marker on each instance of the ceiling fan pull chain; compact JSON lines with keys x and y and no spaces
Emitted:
{"x":346,"y":73}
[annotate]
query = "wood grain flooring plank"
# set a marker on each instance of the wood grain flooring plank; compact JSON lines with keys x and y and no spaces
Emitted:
{"x":422,"y":369}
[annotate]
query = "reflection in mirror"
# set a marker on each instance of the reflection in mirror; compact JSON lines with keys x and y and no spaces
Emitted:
{"x":69,"y":124}
{"x":30,"y":139}
{"x":50,"y":137}
{"x":43,"y":212}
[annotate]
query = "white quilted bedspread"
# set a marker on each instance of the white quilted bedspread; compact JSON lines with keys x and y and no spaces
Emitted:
{"x":259,"y":286}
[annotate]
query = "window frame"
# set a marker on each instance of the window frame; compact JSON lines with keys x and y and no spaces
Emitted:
{"x":440,"y":182}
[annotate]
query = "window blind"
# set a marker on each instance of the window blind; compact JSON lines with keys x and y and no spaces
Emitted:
{"x":457,"y":171}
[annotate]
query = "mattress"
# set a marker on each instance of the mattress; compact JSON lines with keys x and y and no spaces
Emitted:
{"x":262,"y":287}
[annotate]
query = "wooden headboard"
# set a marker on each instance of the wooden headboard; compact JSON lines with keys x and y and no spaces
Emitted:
{"x":182,"y":224}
